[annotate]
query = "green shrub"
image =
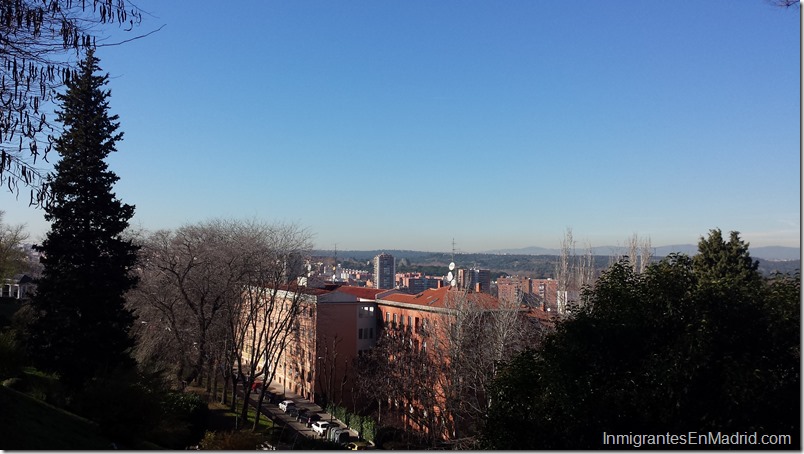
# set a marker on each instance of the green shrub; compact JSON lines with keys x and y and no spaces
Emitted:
{"x":184,"y":419}
{"x":364,"y":425}
{"x":124,"y":410}
{"x":12,"y":357}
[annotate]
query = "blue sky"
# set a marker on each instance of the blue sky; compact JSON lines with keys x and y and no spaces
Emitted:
{"x":405,"y":124}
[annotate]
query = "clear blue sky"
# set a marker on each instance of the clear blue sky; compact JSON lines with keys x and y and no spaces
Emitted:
{"x":405,"y":124}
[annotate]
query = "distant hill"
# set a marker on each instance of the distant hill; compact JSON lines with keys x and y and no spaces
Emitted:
{"x":540,"y":264}
{"x":766,"y":252}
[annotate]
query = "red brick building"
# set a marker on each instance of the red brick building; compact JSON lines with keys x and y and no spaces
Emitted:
{"x":333,"y":324}
{"x":539,"y":293}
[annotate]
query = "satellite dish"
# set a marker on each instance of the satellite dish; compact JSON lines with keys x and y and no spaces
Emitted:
{"x":449,"y":276}
{"x":451,"y":266}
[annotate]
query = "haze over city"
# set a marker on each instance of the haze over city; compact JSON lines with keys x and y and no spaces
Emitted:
{"x":405,"y":125}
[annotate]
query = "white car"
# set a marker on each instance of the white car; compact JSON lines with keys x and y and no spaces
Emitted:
{"x":286,"y":404}
{"x":320,"y":427}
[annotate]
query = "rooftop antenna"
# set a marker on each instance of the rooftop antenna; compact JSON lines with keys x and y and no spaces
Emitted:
{"x":450,"y":276}
{"x":335,"y":265}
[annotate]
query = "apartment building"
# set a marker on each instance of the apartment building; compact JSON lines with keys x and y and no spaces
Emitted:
{"x":424,"y":324}
{"x":333,"y":324}
{"x":417,"y":282}
{"x":336,"y":323}
{"x":540,"y":293}
{"x":474,"y":279}
{"x":384,"y":271}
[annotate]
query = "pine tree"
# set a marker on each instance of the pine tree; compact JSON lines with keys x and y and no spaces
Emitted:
{"x":722,"y":262}
{"x":80,"y":324}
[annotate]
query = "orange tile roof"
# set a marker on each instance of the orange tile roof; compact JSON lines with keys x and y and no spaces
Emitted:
{"x":361,"y":292}
{"x":443,"y":297}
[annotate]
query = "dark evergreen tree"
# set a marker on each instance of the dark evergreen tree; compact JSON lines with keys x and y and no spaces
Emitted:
{"x":80,"y":326}
{"x":725,"y":263}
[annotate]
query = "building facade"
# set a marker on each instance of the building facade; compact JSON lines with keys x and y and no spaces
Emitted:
{"x":425,"y":331}
{"x":474,"y":279}
{"x":417,"y":282}
{"x":332,"y":325}
{"x":384,"y":271}
{"x":539,"y":293}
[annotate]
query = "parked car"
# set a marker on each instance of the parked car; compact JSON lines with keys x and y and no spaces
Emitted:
{"x":302,"y":413}
{"x":292,"y":411}
{"x":285,"y":404}
{"x":310,"y":418}
{"x":274,"y":398}
{"x":357,"y":445}
{"x":340,"y":435}
{"x":320,"y":427}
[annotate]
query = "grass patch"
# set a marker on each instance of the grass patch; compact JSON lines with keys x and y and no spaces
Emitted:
{"x":26,"y":423}
{"x":221,"y":419}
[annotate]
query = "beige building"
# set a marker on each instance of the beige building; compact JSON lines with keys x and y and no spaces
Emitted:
{"x":334,"y":323}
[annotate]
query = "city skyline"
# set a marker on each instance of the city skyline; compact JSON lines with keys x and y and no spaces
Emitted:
{"x":405,"y":125}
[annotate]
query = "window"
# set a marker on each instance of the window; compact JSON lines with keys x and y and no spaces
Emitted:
{"x":394,"y":325}
{"x":371,"y":333}
{"x":387,"y":317}
{"x":360,"y":333}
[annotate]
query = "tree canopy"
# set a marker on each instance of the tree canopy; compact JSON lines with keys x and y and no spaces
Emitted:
{"x":691,"y":345}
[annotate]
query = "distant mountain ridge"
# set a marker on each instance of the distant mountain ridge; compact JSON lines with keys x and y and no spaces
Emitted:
{"x":765,"y":252}
{"x":771,"y":253}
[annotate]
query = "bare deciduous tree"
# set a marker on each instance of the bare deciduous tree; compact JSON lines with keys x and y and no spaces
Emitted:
{"x":40,"y":43}
{"x":565,"y":272}
{"x":273,"y":283}
{"x":212,"y":296}
{"x":12,"y":256}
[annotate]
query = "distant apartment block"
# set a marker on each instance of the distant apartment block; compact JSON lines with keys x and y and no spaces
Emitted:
{"x":474,"y":279}
{"x":540,"y":293}
{"x":417,"y":282}
{"x":384,"y":271}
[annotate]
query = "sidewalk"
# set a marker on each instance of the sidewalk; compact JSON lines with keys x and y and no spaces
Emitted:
{"x":272,"y":411}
